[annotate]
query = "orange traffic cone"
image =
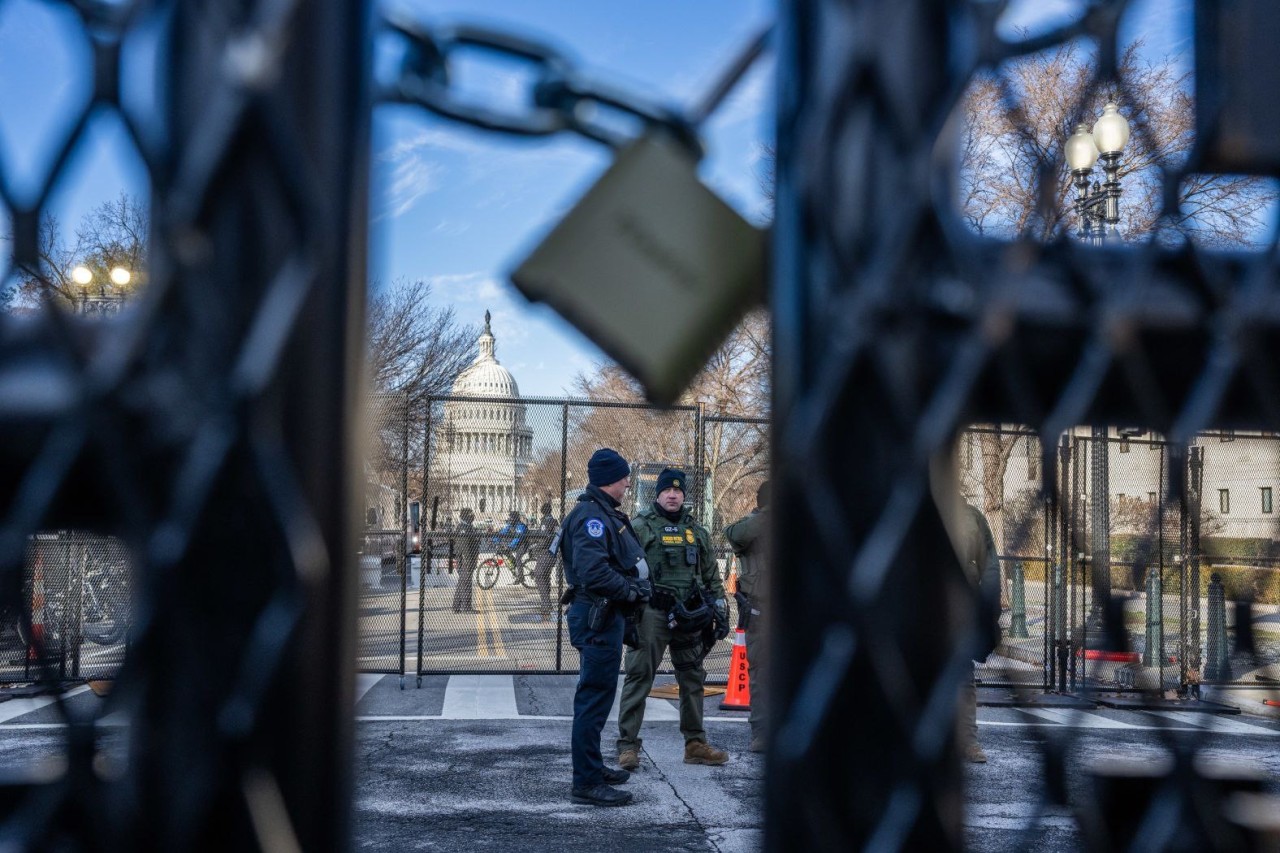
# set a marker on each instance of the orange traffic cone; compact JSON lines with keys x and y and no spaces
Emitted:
{"x":738,"y":696}
{"x":37,"y":612}
{"x":731,"y":585}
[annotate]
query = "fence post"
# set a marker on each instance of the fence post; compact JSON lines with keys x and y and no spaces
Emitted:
{"x":564,"y":487}
{"x":1154,"y":652}
{"x":1217,"y":667}
{"x":425,"y":555}
{"x":1018,"y":603}
{"x":402,"y":544}
{"x":1062,"y":644}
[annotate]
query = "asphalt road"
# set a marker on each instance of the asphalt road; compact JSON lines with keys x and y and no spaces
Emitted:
{"x":469,"y":763}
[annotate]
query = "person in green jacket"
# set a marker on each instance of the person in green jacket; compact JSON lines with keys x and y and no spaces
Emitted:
{"x":686,"y":614}
{"x":749,"y":538}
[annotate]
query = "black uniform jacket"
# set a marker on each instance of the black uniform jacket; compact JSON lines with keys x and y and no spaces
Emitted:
{"x":599,"y":545}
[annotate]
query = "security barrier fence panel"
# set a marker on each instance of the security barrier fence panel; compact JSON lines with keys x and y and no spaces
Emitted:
{"x":735,"y":462}
{"x":999,"y":474}
{"x":515,"y":467}
{"x":1141,"y":552}
{"x":1159,"y":576}
{"x":392,"y":449}
{"x":75,"y":615}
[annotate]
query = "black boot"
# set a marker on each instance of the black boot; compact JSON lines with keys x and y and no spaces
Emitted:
{"x":615,"y":777}
{"x":600,"y":795}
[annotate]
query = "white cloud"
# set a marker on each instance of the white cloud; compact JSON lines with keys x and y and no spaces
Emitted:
{"x":451,"y":227}
{"x":410,"y":180}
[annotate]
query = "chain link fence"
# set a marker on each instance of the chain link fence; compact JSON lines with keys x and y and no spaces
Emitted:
{"x":1170,"y":566}
{"x":73,"y":615}
{"x":1166,"y":567}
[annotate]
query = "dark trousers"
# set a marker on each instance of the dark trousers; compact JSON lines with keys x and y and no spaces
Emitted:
{"x":542,"y":577}
{"x":600,"y":654}
{"x":462,"y":592}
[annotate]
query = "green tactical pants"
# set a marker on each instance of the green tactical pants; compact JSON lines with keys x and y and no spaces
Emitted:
{"x":641,"y":664}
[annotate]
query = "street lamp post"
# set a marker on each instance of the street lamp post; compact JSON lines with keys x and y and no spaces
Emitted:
{"x":1097,"y":209}
{"x":101,"y":304}
{"x":1097,"y":205}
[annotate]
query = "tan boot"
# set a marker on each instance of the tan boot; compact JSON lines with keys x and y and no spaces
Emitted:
{"x":974,"y":755}
{"x":699,"y":752}
{"x":629,"y":759}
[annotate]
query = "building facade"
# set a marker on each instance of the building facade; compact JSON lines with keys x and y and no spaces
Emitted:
{"x":1240,"y":478}
{"x":485,"y":445}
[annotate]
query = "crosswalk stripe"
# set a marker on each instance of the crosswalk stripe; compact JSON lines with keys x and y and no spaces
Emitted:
{"x":1216,"y":723}
{"x":365,"y":682}
{"x":480,"y":697}
{"x":660,"y":709}
{"x":18,"y":707}
{"x":1077,"y":719}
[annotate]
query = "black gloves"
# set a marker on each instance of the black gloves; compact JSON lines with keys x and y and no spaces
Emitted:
{"x":638,"y":590}
{"x":721,"y":619}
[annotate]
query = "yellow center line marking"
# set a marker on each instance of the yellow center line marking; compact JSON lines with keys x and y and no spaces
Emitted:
{"x":481,"y":650}
{"x":500,"y":650}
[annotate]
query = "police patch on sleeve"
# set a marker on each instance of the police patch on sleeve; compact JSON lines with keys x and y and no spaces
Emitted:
{"x":595,"y":528}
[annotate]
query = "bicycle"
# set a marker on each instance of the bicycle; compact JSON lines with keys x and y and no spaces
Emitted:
{"x":489,"y":571}
{"x":99,"y":612}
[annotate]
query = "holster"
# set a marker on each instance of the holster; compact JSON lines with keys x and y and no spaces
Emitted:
{"x":744,"y":610}
{"x":688,"y":649}
{"x":567,"y":597}
{"x":663,"y":600}
{"x":631,"y":631}
{"x":600,"y":613}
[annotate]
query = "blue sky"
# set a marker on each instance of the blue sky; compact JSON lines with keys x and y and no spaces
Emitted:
{"x":456,"y":207}
{"x":460,"y":207}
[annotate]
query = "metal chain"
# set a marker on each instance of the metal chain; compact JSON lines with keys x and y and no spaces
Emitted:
{"x":561,"y":97}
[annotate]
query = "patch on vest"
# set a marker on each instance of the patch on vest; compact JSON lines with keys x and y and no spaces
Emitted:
{"x":595,"y":528}
{"x":688,"y":535}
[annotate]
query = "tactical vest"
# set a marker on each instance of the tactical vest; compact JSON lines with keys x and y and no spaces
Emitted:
{"x":679,"y":564}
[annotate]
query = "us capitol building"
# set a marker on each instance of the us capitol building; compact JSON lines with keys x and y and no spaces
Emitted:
{"x":484,"y":448}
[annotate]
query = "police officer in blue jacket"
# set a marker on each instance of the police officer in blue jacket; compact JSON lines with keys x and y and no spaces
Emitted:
{"x":608,"y":578}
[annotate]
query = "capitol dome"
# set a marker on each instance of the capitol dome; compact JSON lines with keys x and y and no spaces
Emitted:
{"x":485,"y":445}
{"x":485,"y":377}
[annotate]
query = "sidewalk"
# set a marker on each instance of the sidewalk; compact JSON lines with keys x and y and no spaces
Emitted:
{"x":426,"y":779}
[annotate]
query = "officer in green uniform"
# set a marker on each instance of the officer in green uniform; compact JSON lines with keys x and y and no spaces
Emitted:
{"x":687,"y":614}
{"x":749,"y":538}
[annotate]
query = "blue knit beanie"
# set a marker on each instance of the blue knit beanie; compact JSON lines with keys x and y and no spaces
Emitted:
{"x":606,"y":466}
{"x":671,"y":478}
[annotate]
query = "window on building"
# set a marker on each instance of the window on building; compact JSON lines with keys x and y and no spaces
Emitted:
{"x":1266,"y":498}
{"x":1224,"y":501}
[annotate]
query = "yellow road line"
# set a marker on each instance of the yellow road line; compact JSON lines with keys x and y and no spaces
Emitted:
{"x":482,"y":650}
{"x":499,"y":650}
